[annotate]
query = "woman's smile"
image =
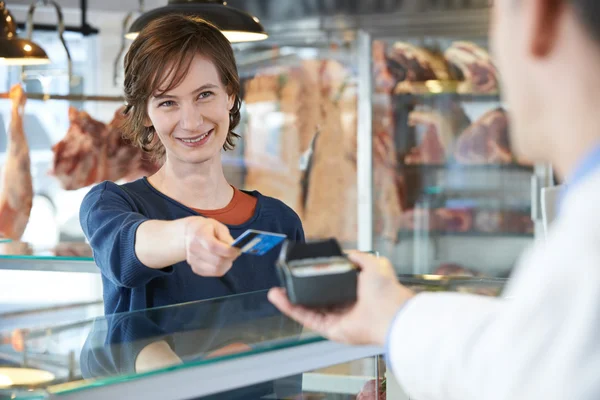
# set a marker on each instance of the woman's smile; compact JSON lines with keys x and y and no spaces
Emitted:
{"x":196,"y":141}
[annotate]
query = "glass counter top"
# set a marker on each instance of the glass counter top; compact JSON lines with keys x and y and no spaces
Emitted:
{"x":73,"y":359}
{"x":64,"y":257}
{"x":122,"y":347}
{"x":63,"y":251}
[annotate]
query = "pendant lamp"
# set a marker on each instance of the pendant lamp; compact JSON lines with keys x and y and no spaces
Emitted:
{"x":236,"y":25}
{"x":15,"y":50}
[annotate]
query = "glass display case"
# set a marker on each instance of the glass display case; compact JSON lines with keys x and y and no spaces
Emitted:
{"x":238,"y":347}
{"x":390,"y":134}
{"x":231,"y":347}
{"x":448,"y":197}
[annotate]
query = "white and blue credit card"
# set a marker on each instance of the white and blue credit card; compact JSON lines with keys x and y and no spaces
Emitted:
{"x":258,"y":243}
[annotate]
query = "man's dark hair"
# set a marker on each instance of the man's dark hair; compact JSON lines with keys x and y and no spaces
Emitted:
{"x":589,"y":13}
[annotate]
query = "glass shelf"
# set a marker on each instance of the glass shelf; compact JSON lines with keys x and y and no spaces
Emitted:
{"x":464,"y":167}
{"x":65,"y":257}
{"x":408,"y":98}
{"x":471,"y":234}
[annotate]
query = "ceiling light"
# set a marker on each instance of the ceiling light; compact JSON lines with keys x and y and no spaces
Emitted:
{"x":14,"y":50}
{"x":237,"y":26}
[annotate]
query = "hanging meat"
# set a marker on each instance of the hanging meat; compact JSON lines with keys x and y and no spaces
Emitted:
{"x":473,"y":66}
{"x":16,"y":197}
{"x":332,"y":193}
{"x":92,"y":152}
{"x":272,"y":142}
{"x":486,"y":141}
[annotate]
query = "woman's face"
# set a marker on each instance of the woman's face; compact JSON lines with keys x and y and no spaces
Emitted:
{"x":192,"y":120}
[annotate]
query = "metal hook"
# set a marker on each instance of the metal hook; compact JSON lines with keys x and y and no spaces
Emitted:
{"x":125,"y":25}
{"x":126,"y":21}
{"x":61,"y":29}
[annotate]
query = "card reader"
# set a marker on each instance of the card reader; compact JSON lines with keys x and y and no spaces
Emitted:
{"x":317,"y":274}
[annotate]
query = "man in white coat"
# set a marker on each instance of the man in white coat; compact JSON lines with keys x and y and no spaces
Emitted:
{"x":541,"y":340}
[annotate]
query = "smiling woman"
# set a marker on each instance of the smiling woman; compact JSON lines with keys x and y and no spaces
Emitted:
{"x":167,"y":238}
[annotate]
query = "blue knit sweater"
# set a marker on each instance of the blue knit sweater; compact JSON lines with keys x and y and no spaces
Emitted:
{"x":110,"y":215}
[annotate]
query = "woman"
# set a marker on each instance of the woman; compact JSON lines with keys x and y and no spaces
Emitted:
{"x":167,"y":238}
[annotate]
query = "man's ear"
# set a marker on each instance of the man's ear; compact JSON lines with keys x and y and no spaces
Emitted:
{"x":545,"y":24}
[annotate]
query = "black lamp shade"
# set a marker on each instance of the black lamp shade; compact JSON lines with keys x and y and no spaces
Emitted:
{"x":236,"y":25}
{"x":14,"y":50}
{"x":21,"y":52}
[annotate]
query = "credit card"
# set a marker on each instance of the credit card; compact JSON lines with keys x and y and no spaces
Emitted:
{"x":258,"y":243}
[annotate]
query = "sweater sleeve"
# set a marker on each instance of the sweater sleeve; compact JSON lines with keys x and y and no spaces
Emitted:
{"x":109,"y":222}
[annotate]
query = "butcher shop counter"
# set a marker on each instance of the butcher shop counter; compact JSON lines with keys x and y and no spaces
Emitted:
{"x":232,"y":347}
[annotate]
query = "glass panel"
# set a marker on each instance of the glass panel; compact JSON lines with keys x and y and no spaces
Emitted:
{"x":107,"y":350}
{"x":449,"y":197}
{"x":299,"y":128}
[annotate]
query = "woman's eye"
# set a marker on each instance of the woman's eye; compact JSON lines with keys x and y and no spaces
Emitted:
{"x":167,"y":103}
{"x":205,"y":95}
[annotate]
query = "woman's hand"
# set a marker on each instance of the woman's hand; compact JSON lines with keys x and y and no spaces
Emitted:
{"x":208,"y":247}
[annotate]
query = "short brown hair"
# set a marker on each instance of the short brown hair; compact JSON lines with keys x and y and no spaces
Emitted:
{"x":173,"y":40}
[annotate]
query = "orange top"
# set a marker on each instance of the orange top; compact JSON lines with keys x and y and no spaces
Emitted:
{"x":239,"y":210}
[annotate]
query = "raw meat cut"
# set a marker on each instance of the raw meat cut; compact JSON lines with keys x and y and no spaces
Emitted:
{"x":474,"y":67}
{"x":454,"y":220}
{"x":436,"y":130}
{"x":16,"y":197}
{"x":496,"y":221}
{"x":409,"y":64}
{"x":92,"y":152}
{"x":431,"y":148}
{"x":486,"y":141}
